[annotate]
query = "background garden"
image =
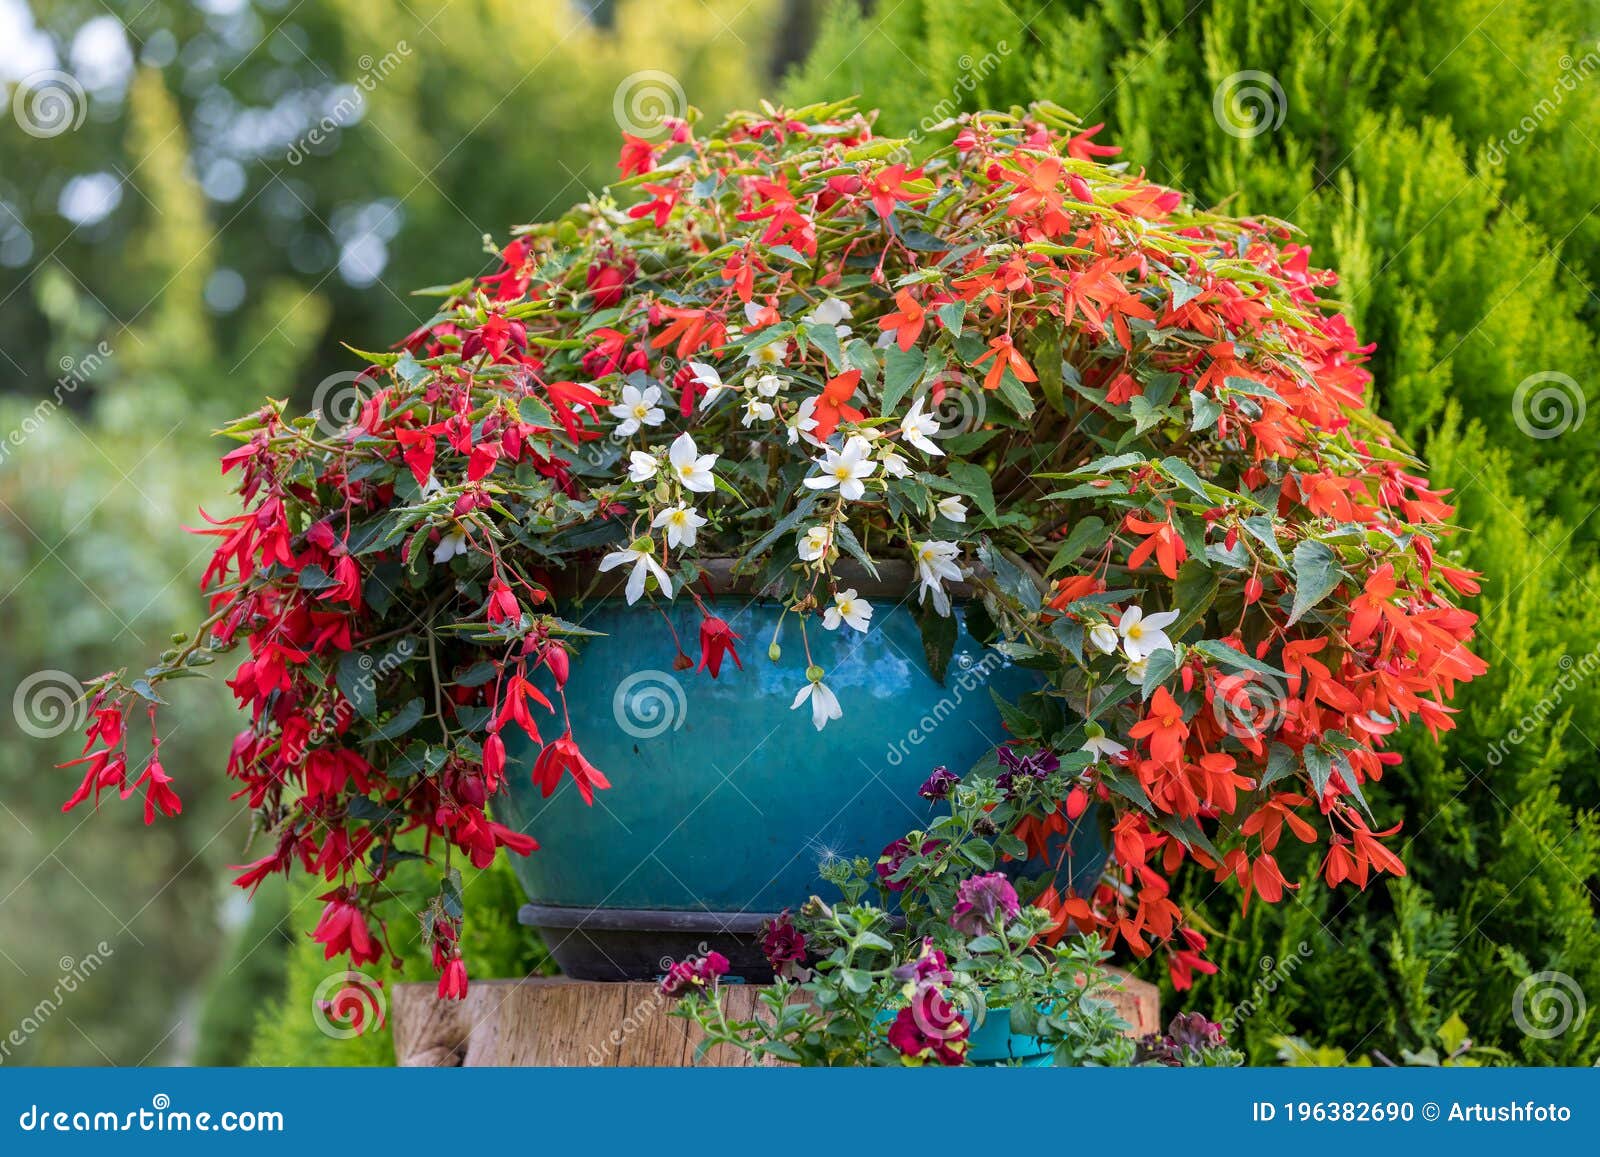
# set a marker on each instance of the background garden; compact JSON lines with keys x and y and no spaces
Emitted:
{"x":252,"y":182}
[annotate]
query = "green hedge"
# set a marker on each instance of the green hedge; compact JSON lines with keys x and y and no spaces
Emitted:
{"x":1465,"y":257}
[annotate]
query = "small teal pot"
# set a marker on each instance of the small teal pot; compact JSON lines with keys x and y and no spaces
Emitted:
{"x":724,"y":801}
{"x":993,"y":1043}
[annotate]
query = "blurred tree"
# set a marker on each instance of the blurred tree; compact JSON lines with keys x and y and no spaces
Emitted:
{"x":1443,"y":159}
{"x":250,"y":179}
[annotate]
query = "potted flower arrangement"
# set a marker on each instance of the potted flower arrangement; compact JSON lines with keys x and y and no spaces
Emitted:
{"x":852,"y":427}
{"x":929,"y":956}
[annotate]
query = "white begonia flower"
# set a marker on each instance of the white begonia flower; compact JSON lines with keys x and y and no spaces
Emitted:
{"x":846,"y":468}
{"x":824,"y":703}
{"x":849,"y":610}
{"x":756,"y":410}
{"x":1143,"y":635}
{"x":917,"y":428}
{"x":894,"y":465}
{"x":710,"y":380}
{"x":815,"y":543}
{"x":1102,"y":746}
{"x":450,"y":545}
{"x":681,"y":523}
{"x":768,"y":353}
{"x":642,"y":466}
{"x":1135,"y":671}
{"x":801,"y":425}
{"x":644,"y":563}
{"x":936,"y":565}
{"x":638,"y":408}
{"x":691,"y":467}
{"x":953,"y":508}
{"x":832,"y":312}
{"x":1103,"y":638}
{"x":768,"y":385}
{"x":753,"y":311}
{"x":430,"y":488}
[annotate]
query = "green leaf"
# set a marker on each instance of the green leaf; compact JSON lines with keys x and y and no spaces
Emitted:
{"x":973,"y":481}
{"x":400,"y":722}
{"x":1206,"y":410}
{"x":902,"y":370}
{"x":1090,"y":531}
{"x":1280,"y":762}
{"x":938,"y":640}
{"x":1319,"y":766}
{"x":826,"y":339}
{"x":1183,"y":474}
{"x":1160,"y":667}
{"x":314,"y":578}
{"x":952,"y":315}
{"x":356,"y":684}
{"x":1017,"y":721}
{"x":1222,"y":653}
{"x":1316,"y":573}
{"x":788,"y":522}
{"x":847,"y":539}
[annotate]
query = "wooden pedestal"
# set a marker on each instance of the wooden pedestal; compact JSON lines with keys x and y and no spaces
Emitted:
{"x":573,"y":1023}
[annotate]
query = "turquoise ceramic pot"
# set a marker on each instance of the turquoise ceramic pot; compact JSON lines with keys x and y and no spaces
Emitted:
{"x":724,"y":801}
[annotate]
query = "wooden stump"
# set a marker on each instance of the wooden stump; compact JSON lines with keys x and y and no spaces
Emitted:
{"x":576,"y":1023}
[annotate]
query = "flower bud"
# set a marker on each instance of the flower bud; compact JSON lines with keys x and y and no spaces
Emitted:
{"x":774,"y":652}
{"x":815,"y":673}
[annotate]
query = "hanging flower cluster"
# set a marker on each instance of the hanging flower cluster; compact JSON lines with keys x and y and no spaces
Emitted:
{"x":1130,"y":429}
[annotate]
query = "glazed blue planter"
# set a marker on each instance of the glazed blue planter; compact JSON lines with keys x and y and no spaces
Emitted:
{"x":724,"y":801}
{"x":993,"y":1043}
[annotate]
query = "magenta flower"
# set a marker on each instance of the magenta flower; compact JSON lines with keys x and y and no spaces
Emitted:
{"x":695,"y":973}
{"x":984,"y":904}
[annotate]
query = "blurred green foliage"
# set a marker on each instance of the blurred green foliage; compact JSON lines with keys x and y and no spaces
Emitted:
{"x":252,"y":181}
{"x":1468,"y":258}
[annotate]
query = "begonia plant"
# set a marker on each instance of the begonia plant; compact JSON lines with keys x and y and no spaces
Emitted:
{"x":1134,"y":431}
